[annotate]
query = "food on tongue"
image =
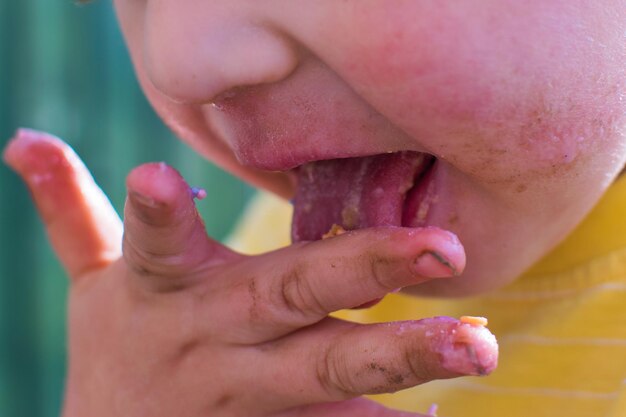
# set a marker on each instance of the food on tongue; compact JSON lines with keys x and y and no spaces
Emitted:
{"x":354,"y":193}
{"x":473,"y":320}
{"x":335,"y":230}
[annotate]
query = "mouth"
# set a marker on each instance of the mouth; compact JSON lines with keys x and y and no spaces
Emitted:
{"x":393,"y":189}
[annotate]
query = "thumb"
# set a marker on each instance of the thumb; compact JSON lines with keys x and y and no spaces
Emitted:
{"x":83,"y":227}
{"x":165,"y":241}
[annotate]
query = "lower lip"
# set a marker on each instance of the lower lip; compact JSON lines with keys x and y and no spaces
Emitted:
{"x":420,"y":198}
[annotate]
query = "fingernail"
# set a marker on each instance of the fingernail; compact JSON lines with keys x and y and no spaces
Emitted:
{"x":469,"y":350}
{"x":22,"y":135}
{"x":463,"y":359}
{"x":431,"y":264}
{"x":143,"y":199}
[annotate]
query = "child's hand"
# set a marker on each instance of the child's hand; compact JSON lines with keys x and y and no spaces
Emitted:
{"x":172,"y":323}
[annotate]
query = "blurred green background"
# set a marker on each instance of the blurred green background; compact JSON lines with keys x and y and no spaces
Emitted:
{"x":64,"y":69}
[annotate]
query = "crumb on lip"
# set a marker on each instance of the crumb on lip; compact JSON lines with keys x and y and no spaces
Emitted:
{"x":474,"y":320}
{"x":335,"y":230}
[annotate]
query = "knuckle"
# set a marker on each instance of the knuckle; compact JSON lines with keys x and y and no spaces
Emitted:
{"x":139,"y":269}
{"x":378,"y":271}
{"x":332,"y":375}
{"x":135,"y":259}
{"x":164,"y":271}
{"x":418,"y":365}
{"x":146,"y":260}
{"x":296,"y":295}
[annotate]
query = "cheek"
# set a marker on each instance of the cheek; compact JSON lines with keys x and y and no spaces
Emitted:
{"x":413,"y":64}
{"x":499,"y":104}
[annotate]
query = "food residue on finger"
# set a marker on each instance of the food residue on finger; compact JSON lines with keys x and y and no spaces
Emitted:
{"x":474,"y":320}
{"x":464,"y":348}
{"x":197,"y":192}
{"x":335,"y":230}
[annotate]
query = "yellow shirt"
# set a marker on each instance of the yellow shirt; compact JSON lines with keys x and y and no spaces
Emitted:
{"x":561,"y":327}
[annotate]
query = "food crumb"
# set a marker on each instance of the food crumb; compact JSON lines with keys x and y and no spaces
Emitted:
{"x":474,"y":320}
{"x":197,"y":192}
{"x":335,"y":230}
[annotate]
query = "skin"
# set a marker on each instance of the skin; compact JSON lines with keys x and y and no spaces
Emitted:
{"x":171,"y":322}
{"x":528,"y":135}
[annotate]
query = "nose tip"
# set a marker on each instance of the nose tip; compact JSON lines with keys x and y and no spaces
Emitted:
{"x":194,"y":51}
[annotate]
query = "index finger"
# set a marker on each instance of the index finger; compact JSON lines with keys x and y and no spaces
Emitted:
{"x":277,"y":293}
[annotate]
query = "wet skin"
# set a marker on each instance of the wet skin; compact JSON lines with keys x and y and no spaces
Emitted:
{"x":522,"y":104}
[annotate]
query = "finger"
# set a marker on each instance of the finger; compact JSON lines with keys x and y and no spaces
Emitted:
{"x":300,"y":285}
{"x":165,"y":241}
{"x":83,"y":227}
{"x":338,"y":360}
{"x":360,"y":407}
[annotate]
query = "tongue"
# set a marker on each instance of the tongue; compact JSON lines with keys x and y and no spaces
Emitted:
{"x":354,"y":193}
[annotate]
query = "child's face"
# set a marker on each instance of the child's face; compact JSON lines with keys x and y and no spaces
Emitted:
{"x":522,"y":103}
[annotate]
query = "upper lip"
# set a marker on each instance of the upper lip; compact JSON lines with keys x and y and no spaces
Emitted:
{"x":258,"y":148}
{"x":282,"y":162}
{"x":278,"y":127}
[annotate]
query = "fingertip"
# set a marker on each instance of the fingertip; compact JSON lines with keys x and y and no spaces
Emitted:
{"x":9,"y":151}
{"x":466,"y":349}
{"x":83,"y":227}
{"x":32,"y":150}
{"x":159,"y":184}
{"x":164,"y":236}
{"x":434,"y":265}
{"x":445,"y":247}
{"x":481,"y":347}
{"x":434,"y":252}
{"x":47,"y":164}
{"x":157,"y":195}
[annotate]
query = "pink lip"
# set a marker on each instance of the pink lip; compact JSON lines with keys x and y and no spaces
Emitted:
{"x":256,"y":145}
{"x":278,"y":127}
